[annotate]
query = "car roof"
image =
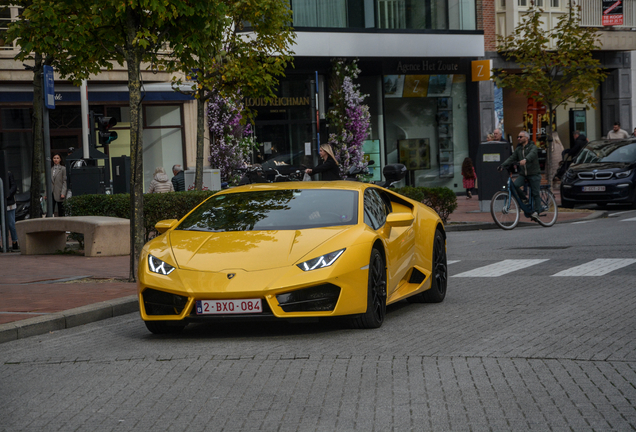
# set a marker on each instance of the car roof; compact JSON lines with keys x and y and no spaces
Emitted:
{"x":333,"y":185}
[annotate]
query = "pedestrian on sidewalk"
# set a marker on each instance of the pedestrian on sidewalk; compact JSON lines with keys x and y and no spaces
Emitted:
{"x":10,"y":190}
{"x":160,"y":183}
{"x":470,"y":176}
{"x":178,"y":181}
{"x":556,"y":156}
{"x":58,"y":178}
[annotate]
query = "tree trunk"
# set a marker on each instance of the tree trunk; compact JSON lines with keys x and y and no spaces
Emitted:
{"x":198,"y":178}
{"x":37,"y":165}
{"x":133,"y":60}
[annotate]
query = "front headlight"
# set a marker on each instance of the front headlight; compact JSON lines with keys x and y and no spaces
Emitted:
{"x":157,"y":266}
{"x":623,"y":174}
{"x":321,"y":262}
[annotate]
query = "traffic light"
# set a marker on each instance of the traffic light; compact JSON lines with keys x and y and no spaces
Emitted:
{"x":104,"y":134}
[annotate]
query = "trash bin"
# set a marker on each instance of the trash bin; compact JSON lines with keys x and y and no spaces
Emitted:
{"x":490,"y":155}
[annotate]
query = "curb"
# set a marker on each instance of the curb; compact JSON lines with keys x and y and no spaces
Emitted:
{"x":478,"y":226}
{"x":68,"y":319}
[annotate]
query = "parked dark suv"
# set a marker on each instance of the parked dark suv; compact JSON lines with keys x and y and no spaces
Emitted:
{"x":603,"y":173}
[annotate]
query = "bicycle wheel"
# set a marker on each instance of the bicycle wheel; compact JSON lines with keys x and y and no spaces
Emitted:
{"x":549,"y":208}
{"x":504,"y":210}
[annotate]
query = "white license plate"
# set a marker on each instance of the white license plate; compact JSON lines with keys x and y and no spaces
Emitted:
{"x":223,"y":307}
{"x":593,"y":188}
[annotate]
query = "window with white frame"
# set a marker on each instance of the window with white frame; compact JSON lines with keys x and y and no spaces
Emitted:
{"x":522,"y":3}
{"x":555,"y":3}
{"x":8,"y":14}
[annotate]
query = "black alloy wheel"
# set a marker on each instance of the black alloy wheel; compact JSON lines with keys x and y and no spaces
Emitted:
{"x":376,"y":294}
{"x":437,"y":292}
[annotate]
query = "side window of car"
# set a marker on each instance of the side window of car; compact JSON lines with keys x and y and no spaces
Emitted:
{"x":375,"y":209}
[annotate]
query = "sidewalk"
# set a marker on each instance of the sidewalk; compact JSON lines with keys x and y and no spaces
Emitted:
{"x":44,"y":293}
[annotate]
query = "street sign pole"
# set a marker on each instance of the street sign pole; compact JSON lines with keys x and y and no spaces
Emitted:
{"x":49,"y":103}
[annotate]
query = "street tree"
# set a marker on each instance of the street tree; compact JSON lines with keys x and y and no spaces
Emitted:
{"x":107,"y":31}
{"x":556,"y":65}
{"x":248,"y":47}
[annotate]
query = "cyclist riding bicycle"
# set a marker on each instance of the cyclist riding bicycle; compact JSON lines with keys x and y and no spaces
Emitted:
{"x":526,"y":154}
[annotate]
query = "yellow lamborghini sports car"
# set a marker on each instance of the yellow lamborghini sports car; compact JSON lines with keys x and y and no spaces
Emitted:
{"x":292,"y":250}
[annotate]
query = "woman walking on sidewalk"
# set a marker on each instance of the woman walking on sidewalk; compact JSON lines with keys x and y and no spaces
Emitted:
{"x":469,"y":174}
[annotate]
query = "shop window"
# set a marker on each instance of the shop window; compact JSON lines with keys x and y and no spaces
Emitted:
{"x":425,"y":127}
{"x":16,"y":118}
{"x":162,"y":140}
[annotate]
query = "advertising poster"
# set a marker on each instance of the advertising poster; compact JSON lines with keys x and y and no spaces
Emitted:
{"x":612,"y":12}
{"x":415,"y":85}
{"x":393,"y":86}
{"x":415,"y":154}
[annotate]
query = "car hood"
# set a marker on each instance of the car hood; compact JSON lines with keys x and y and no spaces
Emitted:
{"x":599,"y":166}
{"x":246,"y":250}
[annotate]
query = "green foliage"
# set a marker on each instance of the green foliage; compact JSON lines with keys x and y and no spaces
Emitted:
{"x":441,"y":199}
{"x":552,"y":76}
{"x":174,"y":205}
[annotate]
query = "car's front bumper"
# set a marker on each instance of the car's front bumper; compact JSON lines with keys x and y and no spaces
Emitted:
{"x":173,"y":297}
{"x":620,"y":191}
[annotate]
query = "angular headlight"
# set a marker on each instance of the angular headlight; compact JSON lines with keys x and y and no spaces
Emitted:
{"x":157,"y":266}
{"x":623,"y":174}
{"x":321,"y":262}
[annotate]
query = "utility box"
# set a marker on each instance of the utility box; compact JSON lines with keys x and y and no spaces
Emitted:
{"x":211,"y":179}
{"x":121,"y":174}
{"x":87,"y":180}
{"x":490,"y":155}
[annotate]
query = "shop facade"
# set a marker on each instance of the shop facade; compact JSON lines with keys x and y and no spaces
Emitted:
{"x":419,"y":111}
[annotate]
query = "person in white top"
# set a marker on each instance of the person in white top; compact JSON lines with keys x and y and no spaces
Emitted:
{"x":617,"y":132}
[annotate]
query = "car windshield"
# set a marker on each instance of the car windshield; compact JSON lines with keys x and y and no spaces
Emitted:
{"x":605,"y":151}
{"x":291,"y":209}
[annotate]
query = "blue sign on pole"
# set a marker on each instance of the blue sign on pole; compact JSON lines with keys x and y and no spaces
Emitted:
{"x":49,"y":87}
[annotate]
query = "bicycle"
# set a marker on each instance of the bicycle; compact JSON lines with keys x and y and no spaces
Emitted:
{"x":505,"y":205}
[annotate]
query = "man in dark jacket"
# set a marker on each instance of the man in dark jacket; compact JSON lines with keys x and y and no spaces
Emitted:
{"x":527,"y":156}
{"x":580,"y":141}
{"x":11,"y":189}
{"x":178,"y":181}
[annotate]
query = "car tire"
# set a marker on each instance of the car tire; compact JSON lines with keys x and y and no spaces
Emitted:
{"x":376,"y":294}
{"x":164,"y":327}
{"x":439,"y":275}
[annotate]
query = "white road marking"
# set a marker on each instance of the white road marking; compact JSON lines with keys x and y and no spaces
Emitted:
{"x":598,"y":267}
{"x":580,"y":222}
{"x":629,"y":220}
{"x":501,"y":268}
{"x":452,"y":261}
{"x":619,"y":213}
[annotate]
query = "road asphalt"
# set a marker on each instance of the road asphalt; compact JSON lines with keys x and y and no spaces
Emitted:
{"x":46,"y":293}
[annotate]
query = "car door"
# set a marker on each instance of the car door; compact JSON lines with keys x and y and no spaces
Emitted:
{"x":399,"y":242}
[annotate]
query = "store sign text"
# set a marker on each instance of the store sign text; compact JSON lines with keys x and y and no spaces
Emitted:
{"x":283,"y":101}
{"x":427,"y":66}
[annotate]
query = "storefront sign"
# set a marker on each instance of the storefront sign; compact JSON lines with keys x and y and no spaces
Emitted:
{"x":481,"y":70}
{"x":283,"y":101}
{"x":612,"y":12}
{"x":447,"y":66}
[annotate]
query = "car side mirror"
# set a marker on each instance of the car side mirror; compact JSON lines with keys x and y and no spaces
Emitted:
{"x":165,"y":225}
{"x":401,"y":219}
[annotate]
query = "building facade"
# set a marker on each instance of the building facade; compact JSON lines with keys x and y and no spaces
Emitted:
{"x":415,"y":61}
{"x":505,"y":109}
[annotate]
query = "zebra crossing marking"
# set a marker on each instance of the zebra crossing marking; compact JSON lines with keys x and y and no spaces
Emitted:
{"x":500,"y":268}
{"x":629,"y":219}
{"x":598,"y":267}
{"x":452,"y":261}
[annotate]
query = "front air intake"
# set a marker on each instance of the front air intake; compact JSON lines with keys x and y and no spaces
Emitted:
{"x":320,"y":298}
{"x":163,"y":303}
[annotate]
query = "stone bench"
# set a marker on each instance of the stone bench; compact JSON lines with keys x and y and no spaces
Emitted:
{"x":103,"y":236}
